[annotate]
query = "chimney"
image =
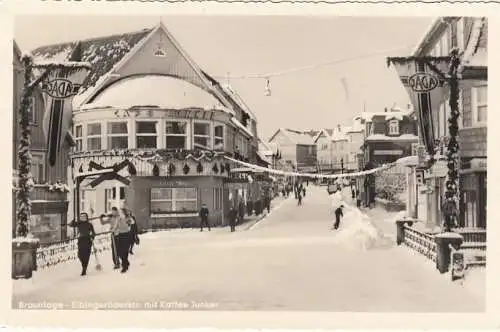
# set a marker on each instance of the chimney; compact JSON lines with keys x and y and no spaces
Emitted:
{"x":338,"y":128}
{"x":385,"y":110}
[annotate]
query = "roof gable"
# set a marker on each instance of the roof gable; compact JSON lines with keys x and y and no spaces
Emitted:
{"x":103,"y":53}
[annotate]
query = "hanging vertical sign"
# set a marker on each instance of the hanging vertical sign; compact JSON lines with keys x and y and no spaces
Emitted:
{"x":424,"y":79}
{"x":59,"y":88}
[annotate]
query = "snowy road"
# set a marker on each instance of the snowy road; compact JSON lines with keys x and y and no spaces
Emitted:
{"x":291,"y":260}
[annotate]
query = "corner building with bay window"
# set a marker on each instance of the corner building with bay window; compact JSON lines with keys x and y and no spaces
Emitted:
{"x":159,"y":128}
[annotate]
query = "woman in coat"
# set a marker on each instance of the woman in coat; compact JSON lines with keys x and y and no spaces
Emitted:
{"x":134,"y":233}
{"x":86,"y":235}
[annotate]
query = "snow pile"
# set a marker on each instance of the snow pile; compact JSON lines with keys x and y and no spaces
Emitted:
{"x":356,"y":231}
{"x":475,"y":281}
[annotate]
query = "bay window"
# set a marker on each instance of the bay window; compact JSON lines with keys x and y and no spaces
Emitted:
{"x":174,"y":200}
{"x":117,"y":135}
{"x":176,"y":134}
{"x":94,"y":136}
{"x":146,"y":135}
{"x":219,"y":137}
{"x":79,"y":138}
{"x":202,"y":135}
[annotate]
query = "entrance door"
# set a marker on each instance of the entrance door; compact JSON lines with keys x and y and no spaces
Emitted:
{"x":481,"y":207}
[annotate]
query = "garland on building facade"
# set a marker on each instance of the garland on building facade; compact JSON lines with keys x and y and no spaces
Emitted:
{"x":453,"y":147}
{"x":24,"y":155}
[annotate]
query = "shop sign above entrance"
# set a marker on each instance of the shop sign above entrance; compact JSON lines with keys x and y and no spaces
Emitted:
{"x":149,"y":113}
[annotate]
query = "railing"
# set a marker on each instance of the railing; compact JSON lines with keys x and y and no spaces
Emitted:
{"x":474,"y":245}
{"x":421,"y":242}
{"x":64,"y":251}
{"x":42,"y":193}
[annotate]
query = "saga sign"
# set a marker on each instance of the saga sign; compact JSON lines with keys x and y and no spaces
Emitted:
{"x":60,"y":88}
{"x":423,"y":82}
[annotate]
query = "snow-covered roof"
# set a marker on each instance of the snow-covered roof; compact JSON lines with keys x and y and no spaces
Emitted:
{"x":380,"y":137}
{"x":408,"y":161}
{"x":160,"y":91}
{"x":475,"y":56}
{"x":299,"y":137}
{"x":103,"y":53}
{"x":394,"y":113}
{"x":264,"y":157}
{"x":237,"y":98}
{"x":426,"y":35}
{"x":241,"y":126}
{"x":339,"y":135}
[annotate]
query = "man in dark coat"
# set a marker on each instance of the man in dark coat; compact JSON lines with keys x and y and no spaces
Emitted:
{"x":338,"y":214}
{"x":134,"y":234}
{"x":299,"y":197}
{"x":204,"y":217}
{"x":86,"y":235}
{"x":353,"y":193}
{"x":231,"y":216}
{"x":358,"y":198}
{"x":267,"y":200}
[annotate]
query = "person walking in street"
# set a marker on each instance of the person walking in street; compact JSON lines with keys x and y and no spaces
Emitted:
{"x":121,"y":229}
{"x":299,"y":198}
{"x":304,"y":191}
{"x":232,"y":215}
{"x":134,"y":232}
{"x":338,"y":214}
{"x":353,"y":193}
{"x":204,"y":217}
{"x":86,"y":235}
{"x":268,"y":203}
{"x":358,"y":198}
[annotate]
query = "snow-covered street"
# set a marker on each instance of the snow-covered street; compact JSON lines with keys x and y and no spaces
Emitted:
{"x":291,"y":260}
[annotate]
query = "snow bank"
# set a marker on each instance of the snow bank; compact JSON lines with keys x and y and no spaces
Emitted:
{"x":356,"y":230}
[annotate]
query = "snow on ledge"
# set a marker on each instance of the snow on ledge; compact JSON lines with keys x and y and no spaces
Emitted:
{"x":241,"y":126}
{"x":74,"y":64}
{"x":379,"y":137}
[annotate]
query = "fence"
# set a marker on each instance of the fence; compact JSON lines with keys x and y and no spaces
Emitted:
{"x":421,"y":242}
{"x":474,"y":246}
{"x":64,"y":251}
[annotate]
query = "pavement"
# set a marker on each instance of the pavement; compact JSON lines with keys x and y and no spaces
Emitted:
{"x":290,"y":260}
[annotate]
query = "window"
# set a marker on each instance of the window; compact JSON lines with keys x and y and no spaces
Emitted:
{"x":460,"y":34}
{"x":118,"y":135}
{"x":444,"y":43}
{"x":219,"y":137}
{"x":202,"y":135}
{"x":38,"y":167}
{"x":174,"y":200}
{"x":94,"y":136}
{"x":110,"y":198}
{"x":79,"y":138}
{"x":32,"y":110}
{"x":369,"y":128}
{"x":217,"y":199}
{"x":479,"y":100}
{"x":176,"y":134}
{"x":146,"y":136}
{"x":394,"y":127}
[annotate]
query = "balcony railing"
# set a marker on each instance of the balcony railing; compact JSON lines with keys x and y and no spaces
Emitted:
{"x":42,"y":193}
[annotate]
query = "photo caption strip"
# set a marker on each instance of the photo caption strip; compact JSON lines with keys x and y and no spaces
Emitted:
{"x":116,"y":305}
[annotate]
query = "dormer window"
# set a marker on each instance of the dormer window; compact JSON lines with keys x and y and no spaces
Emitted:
{"x":394,"y":127}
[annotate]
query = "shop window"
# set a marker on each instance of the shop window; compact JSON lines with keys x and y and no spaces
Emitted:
{"x":46,"y":227}
{"x":94,"y":136}
{"x":479,"y":99}
{"x":217,"y":195}
{"x":174,"y":200}
{"x":470,"y":209}
{"x":146,"y":135}
{"x":394,"y":127}
{"x":79,"y":138}
{"x":117,"y":135}
{"x":176,"y":134}
{"x":219,"y":137}
{"x":202,"y":135}
{"x":38,"y":167}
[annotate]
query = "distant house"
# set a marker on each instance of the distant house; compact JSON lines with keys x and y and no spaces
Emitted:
{"x":355,"y":140}
{"x":297,"y":148}
{"x":390,"y":135}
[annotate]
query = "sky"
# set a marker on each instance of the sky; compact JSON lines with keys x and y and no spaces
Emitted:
{"x":249,"y":45}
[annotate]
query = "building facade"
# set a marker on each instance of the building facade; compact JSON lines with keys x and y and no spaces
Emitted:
{"x":49,"y":197}
{"x":469,"y":35}
{"x":163,"y":127}
{"x":355,"y":139}
{"x":297,"y":148}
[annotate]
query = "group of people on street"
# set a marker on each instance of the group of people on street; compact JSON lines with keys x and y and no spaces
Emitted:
{"x":124,"y":235}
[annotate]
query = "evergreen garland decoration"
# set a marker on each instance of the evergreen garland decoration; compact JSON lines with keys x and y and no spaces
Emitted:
{"x":199,"y":168}
{"x":171,"y":169}
{"x":453,"y":147}
{"x":131,"y":169}
{"x":186,"y":169}
{"x":24,"y":155}
{"x":215,"y":169}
